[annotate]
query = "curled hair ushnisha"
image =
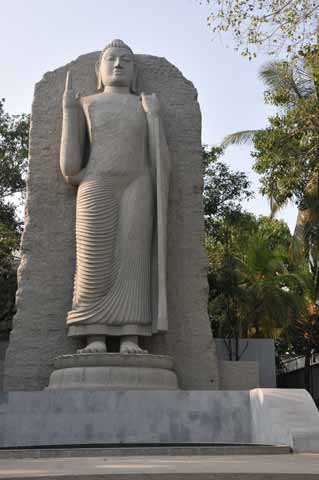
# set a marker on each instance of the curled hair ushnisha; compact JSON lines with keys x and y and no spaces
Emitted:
{"x":114,"y":43}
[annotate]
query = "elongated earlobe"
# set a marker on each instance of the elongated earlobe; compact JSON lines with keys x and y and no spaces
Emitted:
{"x":134,"y":81}
{"x":98,"y":76}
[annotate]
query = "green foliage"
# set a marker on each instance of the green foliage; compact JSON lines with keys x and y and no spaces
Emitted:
{"x":310,"y":244}
{"x":286,"y":156}
{"x":224,"y":246}
{"x":224,"y":190}
{"x":252,"y":292}
{"x":301,"y":335}
{"x":271,"y":26}
{"x":287,"y":151}
{"x":14,"y":134}
{"x":13,"y":162}
{"x":277,"y":233}
{"x":275,"y":295}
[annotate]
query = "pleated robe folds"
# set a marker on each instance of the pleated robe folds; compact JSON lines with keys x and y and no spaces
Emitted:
{"x":121,"y":222}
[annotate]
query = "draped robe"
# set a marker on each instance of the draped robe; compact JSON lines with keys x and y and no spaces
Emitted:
{"x":121,"y":221}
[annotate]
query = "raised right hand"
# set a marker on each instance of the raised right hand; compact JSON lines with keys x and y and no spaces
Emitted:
{"x":71,"y":99}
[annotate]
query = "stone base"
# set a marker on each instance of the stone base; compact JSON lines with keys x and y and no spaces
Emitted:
{"x":113,"y":371}
{"x":106,"y":418}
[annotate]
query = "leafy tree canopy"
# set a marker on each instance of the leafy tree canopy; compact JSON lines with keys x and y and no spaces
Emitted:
{"x":286,"y":152}
{"x":13,"y":161}
{"x":252,"y":291}
{"x":247,"y":257}
{"x":14,"y":133}
{"x":224,"y":190}
{"x":272,"y":26}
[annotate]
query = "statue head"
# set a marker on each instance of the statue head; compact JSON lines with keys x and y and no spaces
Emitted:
{"x":116,"y":66}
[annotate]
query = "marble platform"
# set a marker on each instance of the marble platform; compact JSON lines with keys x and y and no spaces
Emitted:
{"x":88,"y":417}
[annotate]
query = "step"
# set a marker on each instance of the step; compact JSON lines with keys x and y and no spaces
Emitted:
{"x":143,"y":450}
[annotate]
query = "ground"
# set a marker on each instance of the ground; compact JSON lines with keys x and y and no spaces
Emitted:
{"x":223,"y":467}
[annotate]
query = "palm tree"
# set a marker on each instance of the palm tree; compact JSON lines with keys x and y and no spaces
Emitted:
{"x":252,"y":293}
{"x":283,"y":77}
{"x":301,"y":337}
{"x":296,"y":90}
{"x":291,"y":84}
{"x":294,"y":85}
{"x":274,"y":294}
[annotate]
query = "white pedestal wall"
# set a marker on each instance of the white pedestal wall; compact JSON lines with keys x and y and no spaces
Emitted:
{"x":260,"y":416}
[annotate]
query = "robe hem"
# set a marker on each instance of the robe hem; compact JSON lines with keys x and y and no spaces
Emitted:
{"x":110,"y":330}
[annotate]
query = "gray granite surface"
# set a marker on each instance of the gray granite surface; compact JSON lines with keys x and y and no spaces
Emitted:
{"x":84,"y":417}
{"x":48,"y":248}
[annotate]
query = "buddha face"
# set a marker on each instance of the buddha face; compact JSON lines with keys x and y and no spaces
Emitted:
{"x":117,"y":67}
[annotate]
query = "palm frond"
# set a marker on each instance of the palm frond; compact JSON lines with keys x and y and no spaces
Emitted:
{"x":274,"y":74}
{"x":277,"y":75}
{"x":239,"y":138}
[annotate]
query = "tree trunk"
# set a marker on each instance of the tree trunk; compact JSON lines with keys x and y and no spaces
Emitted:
{"x":229,"y":347}
{"x":307,"y":382}
{"x":237,"y":348}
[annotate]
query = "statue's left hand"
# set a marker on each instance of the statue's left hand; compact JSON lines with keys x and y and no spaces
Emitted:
{"x":150,"y":103}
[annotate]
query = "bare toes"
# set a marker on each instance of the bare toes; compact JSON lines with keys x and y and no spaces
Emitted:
{"x":95,"y":347}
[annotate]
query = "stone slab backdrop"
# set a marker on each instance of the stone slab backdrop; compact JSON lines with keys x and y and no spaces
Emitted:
{"x":48,"y":248}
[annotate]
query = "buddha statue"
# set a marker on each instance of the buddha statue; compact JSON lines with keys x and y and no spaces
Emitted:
{"x":113,"y":148}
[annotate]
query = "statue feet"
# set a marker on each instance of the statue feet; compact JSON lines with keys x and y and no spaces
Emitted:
{"x":95,"y":344}
{"x":129,"y":344}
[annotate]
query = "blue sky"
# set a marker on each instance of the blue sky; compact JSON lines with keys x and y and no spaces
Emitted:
{"x":38,"y":35}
